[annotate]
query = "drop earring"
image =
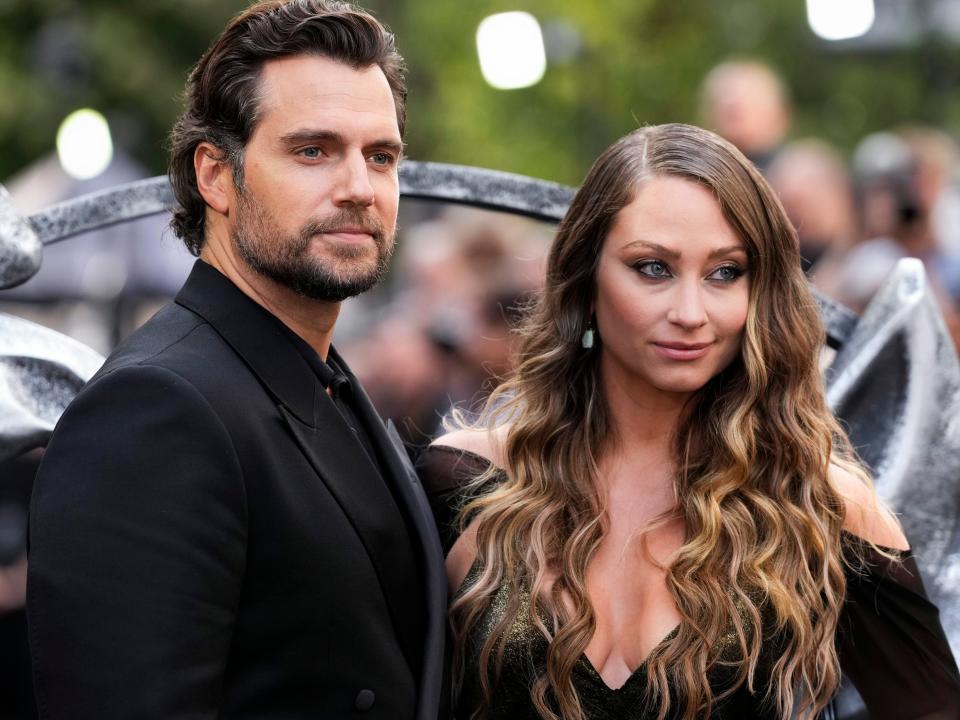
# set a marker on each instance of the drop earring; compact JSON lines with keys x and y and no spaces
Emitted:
{"x":587,"y":340}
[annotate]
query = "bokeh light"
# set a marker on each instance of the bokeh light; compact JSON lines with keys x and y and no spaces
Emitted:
{"x":510,"y":46}
{"x":84,"y":145}
{"x":840,"y":19}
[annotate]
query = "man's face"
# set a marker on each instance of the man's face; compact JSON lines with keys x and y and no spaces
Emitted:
{"x":317,"y":210}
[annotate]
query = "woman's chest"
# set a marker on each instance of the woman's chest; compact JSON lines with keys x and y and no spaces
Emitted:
{"x":634,"y":611}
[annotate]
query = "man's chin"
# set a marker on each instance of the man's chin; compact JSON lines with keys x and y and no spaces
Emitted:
{"x":332,"y":288}
{"x":321,"y":274}
{"x":332,"y":293}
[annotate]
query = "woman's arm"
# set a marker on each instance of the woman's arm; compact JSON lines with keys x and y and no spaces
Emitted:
{"x":889,"y":637}
{"x":451,"y":462}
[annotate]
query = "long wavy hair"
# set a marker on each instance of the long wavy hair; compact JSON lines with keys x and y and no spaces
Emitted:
{"x":762,"y":520}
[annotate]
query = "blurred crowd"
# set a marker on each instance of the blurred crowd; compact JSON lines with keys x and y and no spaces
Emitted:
{"x":896,"y":196}
{"x":444,"y":337}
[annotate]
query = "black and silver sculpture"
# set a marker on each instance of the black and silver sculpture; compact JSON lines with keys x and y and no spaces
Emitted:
{"x":40,"y":373}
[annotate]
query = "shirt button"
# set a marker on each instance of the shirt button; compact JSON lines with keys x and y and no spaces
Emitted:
{"x":365,"y":700}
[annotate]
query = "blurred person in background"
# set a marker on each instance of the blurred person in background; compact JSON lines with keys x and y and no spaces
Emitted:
{"x":746,"y":102}
{"x":812,"y":181}
{"x":222,"y":526}
{"x":897,"y":188}
{"x":447,"y":334}
{"x":937,"y":159}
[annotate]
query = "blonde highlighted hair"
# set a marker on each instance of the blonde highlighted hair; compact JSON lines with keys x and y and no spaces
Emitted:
{"x":762,"y":547}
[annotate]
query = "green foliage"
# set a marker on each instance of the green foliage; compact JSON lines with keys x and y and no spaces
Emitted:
{"x":641,"y":61}
{"x":127,"y":60}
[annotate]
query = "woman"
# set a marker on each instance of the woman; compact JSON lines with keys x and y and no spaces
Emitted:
{"x":662,"y":517}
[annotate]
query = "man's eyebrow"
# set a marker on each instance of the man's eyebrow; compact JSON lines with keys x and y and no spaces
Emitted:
{"x":302,"y":136}
{"x":317,"y":136}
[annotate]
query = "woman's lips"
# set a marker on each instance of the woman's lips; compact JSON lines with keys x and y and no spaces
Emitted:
{"x":682,"y":351}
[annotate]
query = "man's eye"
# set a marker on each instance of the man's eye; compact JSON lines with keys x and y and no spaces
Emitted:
{"x":726,"y":273}
{"x":311,"y":153}
{"x":652,"y":269}
{"x":381,"y":158}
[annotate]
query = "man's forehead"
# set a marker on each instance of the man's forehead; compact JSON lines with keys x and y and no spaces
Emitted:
{"x":300,"y":88}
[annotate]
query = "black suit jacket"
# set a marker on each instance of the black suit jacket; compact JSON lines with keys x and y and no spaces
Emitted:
{"x":208,"y":539}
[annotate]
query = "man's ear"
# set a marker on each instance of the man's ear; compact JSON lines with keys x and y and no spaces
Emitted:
{"x":214,"y":177}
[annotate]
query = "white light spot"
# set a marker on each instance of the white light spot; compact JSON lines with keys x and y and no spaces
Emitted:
{"x":84,"y":145}
{"x":510,"y":46}
{"x":840,"y":19}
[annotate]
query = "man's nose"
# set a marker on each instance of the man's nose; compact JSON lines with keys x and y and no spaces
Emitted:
{"x":688,"y":309}
{"x":353,"y":185}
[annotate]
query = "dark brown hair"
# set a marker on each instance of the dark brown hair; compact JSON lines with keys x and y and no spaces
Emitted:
{"x":221,"y":98}
{"x":762,"y":517}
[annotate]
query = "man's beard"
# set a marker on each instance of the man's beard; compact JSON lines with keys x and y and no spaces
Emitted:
{"x":287,"y":259}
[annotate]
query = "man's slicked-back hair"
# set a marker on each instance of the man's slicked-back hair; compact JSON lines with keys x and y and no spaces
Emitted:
{"x":222,"y":99}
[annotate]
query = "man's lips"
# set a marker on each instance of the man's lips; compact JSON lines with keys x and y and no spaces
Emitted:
{"x":350,"y":233}
{"x":681,"y":350}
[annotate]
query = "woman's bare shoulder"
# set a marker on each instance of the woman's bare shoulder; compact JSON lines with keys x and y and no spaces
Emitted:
{"x":485,"y":443}
{"x":865,"y":515}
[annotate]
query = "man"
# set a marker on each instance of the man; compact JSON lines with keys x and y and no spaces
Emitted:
{"x":746,"y":102}
{"x":222,"y":527}
{"x":811,"y":179}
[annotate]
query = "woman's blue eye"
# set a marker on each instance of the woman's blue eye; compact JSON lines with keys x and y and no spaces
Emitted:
{"x":727,"y":273}
{"x":653,"y":269}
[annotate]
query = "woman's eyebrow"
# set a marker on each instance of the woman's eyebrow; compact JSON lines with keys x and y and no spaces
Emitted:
{"x":674,"y":254}
{"x":655,"y":247}
{"x":729,"y":250}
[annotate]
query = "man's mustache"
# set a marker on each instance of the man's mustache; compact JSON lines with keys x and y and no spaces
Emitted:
{"x":352,"y":218}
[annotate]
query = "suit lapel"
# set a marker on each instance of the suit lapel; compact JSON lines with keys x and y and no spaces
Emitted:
{"x":322,"y":435}
{"x":343,"y":464}
{"x":435,"y":583}
{"x":410,"y":492}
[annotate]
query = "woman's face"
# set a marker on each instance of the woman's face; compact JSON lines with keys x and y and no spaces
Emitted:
{"x":672,"y":291}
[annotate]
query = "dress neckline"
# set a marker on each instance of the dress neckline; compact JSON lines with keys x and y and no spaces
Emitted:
{"x":594,"y":674}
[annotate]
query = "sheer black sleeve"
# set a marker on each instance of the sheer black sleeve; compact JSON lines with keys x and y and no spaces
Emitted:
{"x":445,"y":473}
{"x":890,"y":641}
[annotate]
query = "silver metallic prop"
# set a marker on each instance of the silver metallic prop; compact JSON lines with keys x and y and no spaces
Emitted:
{"x":896,"y":384}
{"x":895,"y":380}
{"x":40,"y":373}
{"x":20,"y":248}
